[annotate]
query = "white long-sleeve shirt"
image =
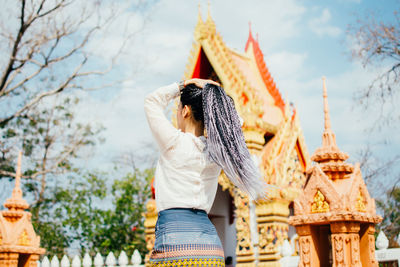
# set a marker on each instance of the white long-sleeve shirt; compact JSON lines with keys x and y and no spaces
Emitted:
{"x":185,"y":177}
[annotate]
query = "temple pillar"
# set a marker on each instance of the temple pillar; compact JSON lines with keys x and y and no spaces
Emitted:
{"x":345,"y":244}
{"x":9,"y":259}
{"x":244,"y":248}
{"x":367,"y":245}
{"x":272,"y":221}
{"x":32,"y":260}
{"x":150,"y":225}
{"x":307,"y":250}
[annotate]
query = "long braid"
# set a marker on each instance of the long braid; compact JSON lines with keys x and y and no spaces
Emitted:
{"x":226,"y":143}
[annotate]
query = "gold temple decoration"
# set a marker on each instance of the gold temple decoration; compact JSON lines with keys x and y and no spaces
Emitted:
{"x":24,"y":239}
{"x":319,"y":205}
{"x":360,"y":203}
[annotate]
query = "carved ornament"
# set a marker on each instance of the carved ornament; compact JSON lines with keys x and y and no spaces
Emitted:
{"x":319,"y":205}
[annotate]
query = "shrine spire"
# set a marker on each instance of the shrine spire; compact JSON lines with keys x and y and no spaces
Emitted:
{"x":16,"y":202}
{"x":329,"y":156}
{"x":326,"y":107}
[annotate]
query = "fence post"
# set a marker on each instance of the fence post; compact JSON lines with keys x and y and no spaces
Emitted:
{"x":98,"y":260}
{"x":76,"y":261}
{"x":110,"y":260}
{"x":136,"y":258}
{"x":87,"y":260}
{"x":55,"y":262}
{"x":65,"y":261}
{"x":123,"y":259}
{"x":45,"y":262}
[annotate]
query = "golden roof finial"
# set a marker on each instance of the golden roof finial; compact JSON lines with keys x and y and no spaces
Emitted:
{"x":326,"y":107}
{"x":199,"y":19}
{"x":18,"y":172}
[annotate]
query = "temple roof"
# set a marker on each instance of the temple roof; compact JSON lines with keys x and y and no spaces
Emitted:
{"x":252,"y":46}
{"x":244,"y":76}
{"x":271,"y":127}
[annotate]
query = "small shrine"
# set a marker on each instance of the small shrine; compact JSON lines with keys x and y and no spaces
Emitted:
{"x":335,"y":216}
{"x":251,"y":233}
{"x":19,"y":244}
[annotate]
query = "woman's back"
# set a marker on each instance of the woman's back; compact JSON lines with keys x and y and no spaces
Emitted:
{"x":185,"y":176}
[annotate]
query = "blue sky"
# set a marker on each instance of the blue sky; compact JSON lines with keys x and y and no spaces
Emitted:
{"x":301,"y":41}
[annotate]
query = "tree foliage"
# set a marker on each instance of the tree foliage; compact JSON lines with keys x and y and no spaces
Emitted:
{"x":391,"y":215}
{"x":377,"y":46}
{"x":96,"y":215}
{"x":378,"y":43}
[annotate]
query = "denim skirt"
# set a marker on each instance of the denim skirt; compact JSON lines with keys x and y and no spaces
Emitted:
{"x":186,"y":237}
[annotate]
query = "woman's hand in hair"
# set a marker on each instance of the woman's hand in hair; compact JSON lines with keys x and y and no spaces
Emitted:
{"x":200,"y":82}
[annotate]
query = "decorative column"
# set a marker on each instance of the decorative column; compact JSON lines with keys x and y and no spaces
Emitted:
{"x":150,"y":224}
{"x":367,"y":245}
{"x":307,"y":251}
{"x":244,"y":248}
{"x":345,"y":244}
{"x":272,"y":220}
{"x":19,"y":244}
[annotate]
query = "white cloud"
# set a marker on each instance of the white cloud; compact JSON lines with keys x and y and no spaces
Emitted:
{"x":286,"y":64}
{"x":320,"y":25}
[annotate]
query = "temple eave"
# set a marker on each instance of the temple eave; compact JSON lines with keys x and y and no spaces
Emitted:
{"x":323,"y":218}
{"x":324,"y":154}
{"x":21,"y":249}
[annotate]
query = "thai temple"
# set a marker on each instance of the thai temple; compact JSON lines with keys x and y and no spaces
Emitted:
{"x":331,"y":209}
{"x":251,"y":233}
{"x":324,"y":206}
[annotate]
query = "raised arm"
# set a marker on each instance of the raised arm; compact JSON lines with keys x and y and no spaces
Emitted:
{"x":154,"y":105}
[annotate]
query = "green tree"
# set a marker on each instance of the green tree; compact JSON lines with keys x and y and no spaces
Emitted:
{"x":377,"y":46}
{"x":391,"y":219}
{"x":96,"y":214}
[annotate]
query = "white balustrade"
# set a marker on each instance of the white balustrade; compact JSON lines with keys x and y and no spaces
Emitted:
{"x":123,"y":259}
{"x":87,"y":260}
{"x":287,"y":250}
{"x":65,"y":261}
{"x":383,"y":253}
{"x":136,"y":258}
{"x":97,"y":261}
{"x":76,"y":261}
{"x":45,"y":262}
{"x":55,"y":262}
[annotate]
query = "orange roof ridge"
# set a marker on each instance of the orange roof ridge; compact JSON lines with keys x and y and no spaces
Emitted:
{"x":265,"y":74}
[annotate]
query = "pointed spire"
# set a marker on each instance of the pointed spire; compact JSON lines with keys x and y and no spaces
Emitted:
{"x":250,"y":39}
{"x":16,"y":202}
{"x":18,"y":173}
{"x":329,"y":156}
{"x":200,"y":32}
{"x":199,"y":18}
{"x":209,"y":21}
{"x":249,"y":27}
{"x":326,"y":107}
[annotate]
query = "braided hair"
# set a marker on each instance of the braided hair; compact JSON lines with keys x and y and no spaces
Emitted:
{"x":225,"y":142}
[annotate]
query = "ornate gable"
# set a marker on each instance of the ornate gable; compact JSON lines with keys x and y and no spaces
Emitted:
{"x":358,"y":197}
